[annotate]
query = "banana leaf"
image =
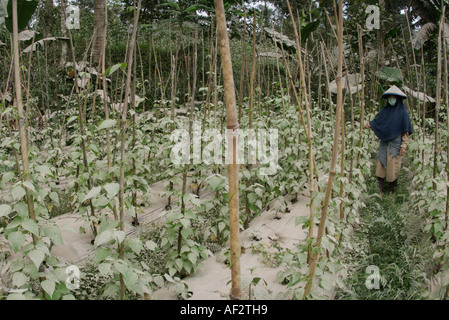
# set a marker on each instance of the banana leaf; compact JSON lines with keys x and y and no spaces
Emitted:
{"x":25,"y":10}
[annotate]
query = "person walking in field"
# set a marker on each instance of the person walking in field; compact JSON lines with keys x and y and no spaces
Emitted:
{"x":393,"y":127}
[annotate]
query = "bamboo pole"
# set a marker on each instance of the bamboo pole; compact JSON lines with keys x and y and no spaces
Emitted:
{"x":192,"y":105}
{"x":279,"y":77}
{"x":351,"y":140}
{"x":105,"y":95}
{"x":243,"y":67}
{"x":414,"y":57}
{"x":333,"y":163}
{"x":212,"y":59}
{"x":329,"y":94}
{"x":253,"y":73}
{"x":423,"y":124}
{"x":21,"y":119}
{"x":309,"y":128}
{"x":410,"y":108}
{"x":446,"y":89}
{"x":123,"y":135}
{"x":438,"y":100}
{"x":81,"y":119}
{"x":250,"y":125}
{"x":362,"y":95}
{"x":232,"y":125}
{"x":133,"y":141}
{"x":27,"y":88}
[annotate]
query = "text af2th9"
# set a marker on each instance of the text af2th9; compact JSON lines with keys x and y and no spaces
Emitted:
{"x":229,"y":309}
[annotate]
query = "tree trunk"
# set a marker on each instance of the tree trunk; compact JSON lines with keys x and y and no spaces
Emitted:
{"x":99,"y":24}
{"x":63,"y":57}
{"x":48,"y":18}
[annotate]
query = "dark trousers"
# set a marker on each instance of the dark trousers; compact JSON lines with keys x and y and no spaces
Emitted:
{"x":391,"y":185}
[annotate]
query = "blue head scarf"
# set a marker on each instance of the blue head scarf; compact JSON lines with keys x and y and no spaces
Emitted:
{"x":392,"y":121}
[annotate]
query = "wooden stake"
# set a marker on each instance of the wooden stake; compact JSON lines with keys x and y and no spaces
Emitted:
{"x":21,"y":120}
{"x":333,"y":163}
{"x":362,"y":95}
{"x":438,"y":100}
{"x":309,"y":128}
{"x":243,"y":67}
{"x":233,"y":169}
{"x":81,"y":122}
{"x":123,"y":136}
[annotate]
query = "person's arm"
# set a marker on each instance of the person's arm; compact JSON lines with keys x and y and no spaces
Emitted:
{"x":405,"y":140}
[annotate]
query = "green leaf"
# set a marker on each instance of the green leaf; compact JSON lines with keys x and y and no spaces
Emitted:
{"x":54,"y":196}
{"x":112,"y":189}
{"x":100,"y":202}
{"x":216,"y":183}
{"x":17,"y":265}
{"x":16,"y":296}
{"x":103,"y":238}
{"x":19,"y":279}
{"x":308,"y":29}
{"x":54,"y":234}
{"x":41,"y":42}
{"x":173,"y":5}
{"x":114,"y":68}
{"x":14,"y":223}
{"x":301,"y":220}
{"x":8,"y":176}
{"x":92,"y":193}
{"x":390,"y":74}
{"x":287,"y":43}
{"x":16,"y":240}
{"x":3,"y":11}
{"x":108,"y":123}
{"x":192,"y":8}
{"x":221,"y":226}
{"x":150,"y":245}
{"x":102,"y":253}
{"x":29,"y":185}
{"x":119,"y":236}
{"x":31,"y":226}
{"x":135,"y":245}
{"x":71,"y":119}
{"x":186,"y":232}
{"x":37,"y":257}
{"x":121,"y":266}
{"x":25,"y":10}
{"x":178,"y":263}
{"x":18,"y":192}
{"x":5,"y":209}
{"x":130,"y":278}
{"x":159,"y":281}
{"x":261,"y":293}
{"x":192,"y":257}
{"x":48,"y":286}
{"x":105,"y":269}
{"x":44,"y":169}
{"x":195,"y":201}
{"x":111,"y":290}
{"x":22,"y":209}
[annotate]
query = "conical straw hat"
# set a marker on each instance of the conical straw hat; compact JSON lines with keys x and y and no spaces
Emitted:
{"x":394,"y":91}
